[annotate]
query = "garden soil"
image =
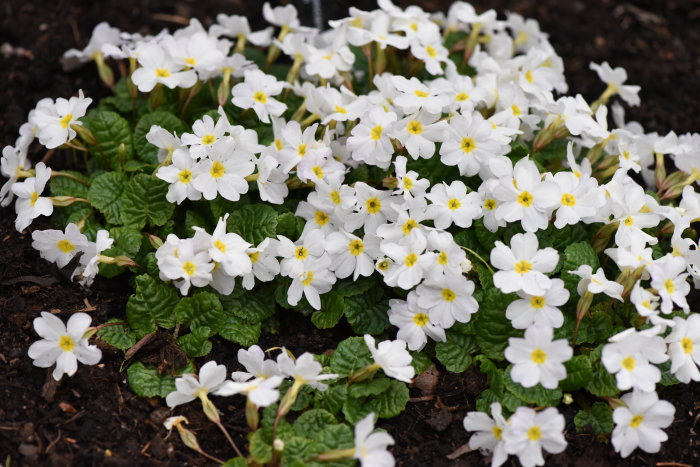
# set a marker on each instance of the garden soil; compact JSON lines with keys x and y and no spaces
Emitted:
{"x":94,"y":419}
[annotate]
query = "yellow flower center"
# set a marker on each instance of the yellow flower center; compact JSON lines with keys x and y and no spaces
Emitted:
{"x":442,"y":258}
{"x":408,"y":226}
{"x":453,"y":204}
{"x":318,"y":171}
{"x":341,"y":110}
{"x":66,"y":343}
{"x":301,"y":252}
{"x":421,"y":319}
{"x":65,"y":246}
{"x":208,"y":139}
{"x":430,"y":50}
{"x":537,"y":302}
{"x":628,"y":363}
{"x":383,"y":265}
{"x":523,"y":266}
{"x":189,"y":268}
{"x":308,"y":278}
{"x":629,"y":221}
{"x":185,"y":176}
{"x":497,"y":432}
{"x":321,"y":218}
{"x":567,"y":199}
{"x":419,"y":93}
{"x":301,"y":150}
{"x":528,"y":76}
{"x":687,"y":345}
{"x":376,"y":132}
{"x":190,"y":61}
{"x":373,"y":205}
{"x":33,"y":198}
{"x":669,"y":286}
{"x":162,"y":73}
{"x":254,"y":257}
{"x":636,"y":421}
{"x":525,"y":198}
{"x":356,"y":247}
{"x":467,"y":145}
{"x":217,"y":170}
{"x":407,"y":183}
{"x":65,"y":121}
{"x":335,"y":197}
{"x":278,"y":144}
{"x":516,"y":110}
{"x":538,"y":356}
{"x":410,"y":260}
{"x":490,"y":204}
{"x":448,"y":295}
{"x":260,"y":97}
{"x":534,"y":433}
{"x":415,"y":127}
{"x":219,"y":245}
{"x":461,"y":97}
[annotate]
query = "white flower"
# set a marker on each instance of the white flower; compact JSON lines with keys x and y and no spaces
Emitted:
{"x":304,"y":369}
{"x":159,"y":68}
{"x":414,"y":323}
{"x":260,"y":391}
{"x":489,"y":433}
{"x":537,"y":358}
{"x":271,"y":180}
{"x":419,"y":132}
{"x":206,"y":133}
{"x":199,"y":51}
{"x":639,"y":423}
{"x":257,"y":91}
{"x":63,"y":345}
{"x":256,"y":365}
{"x":432,"y":54}
{"x":179,"y":175}
{"x":30,"y":204}
{"x":14,"y":161}
{"x":57,"y":246}
{"x":539,"y":310}
{"x":102,"y":34}
{"x":284,"y":16}
{"x":523,"y":266}
{"x":165,"y":141}
{"x":452,"y":204}
{"x":314,"y":279}
{"x":371,"y":448}
{"x":448,"y":299}
{"x":415,"y":96}
{"x":412,"y":263}
{"x":369,"y":141}
{"x":614,"y":78}
{"x":596,"y":283}
{"x":265,"y":263}
{"x":229,"y":249}
{"x":629,"y":356}
{"x":580,"y":198}
{"x":409,"y":185}
{"x":393,"y":358}
{"x":372,"y":209}
{"x":54,"y":121}
{"x":223,"y":172}
{"x":90,"y":258}
{"x":684,"y":348}
{"x":529,"y":431}
{"x":191,"y":266}
{"x":189,"y":386}
{"x":349,"y":255}
{"x":669,"y":278}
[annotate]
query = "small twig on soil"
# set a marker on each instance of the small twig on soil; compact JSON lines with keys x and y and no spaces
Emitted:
{"x":421,"y":399}
{"x":676,"y":464}
{"x":463,"y":449}
{"x":171,"y":18}
{"x":53,"y":443}
{"x":42,"y":281}
{"x":143,"y":341}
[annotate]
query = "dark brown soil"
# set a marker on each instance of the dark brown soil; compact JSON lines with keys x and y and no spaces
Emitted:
{"x":94,"y":419}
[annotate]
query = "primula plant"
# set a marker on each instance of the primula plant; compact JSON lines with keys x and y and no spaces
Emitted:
{"x":423,"y":177}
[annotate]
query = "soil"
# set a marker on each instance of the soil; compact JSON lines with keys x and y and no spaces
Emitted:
{"x":94,"y":419}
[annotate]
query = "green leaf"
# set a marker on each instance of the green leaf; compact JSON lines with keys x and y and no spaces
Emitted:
{"x":350,"y":355}
{"x":456,"y":352}
{"x":64,"y":186}
{"x":254,"y":222}
{"x":602,"y":383}
{"x":369,"y":388}
{"x":332,"y":308}
{"x":578,"y":373}
{"x":111,"y":131}
{"x":575,"y":255}
{"x":599,"y":418}
{"x":332,"y":398}
{"x":365,"y":315}
{"x":196,"y":343}
{"x":355,"y":409}
{"x":489,"y":396}
{"x":105,"y":194}
{"x":287,"y":225}
{"x":260,"y":451}
{"x":126,"y":239}
{"x":252,"y":307}
{"x":537,"y":394}
{"x":350,"y":288}
{"x":494,"y":328}
{"x":118,"y":336}
{"x":236,"y":462}
{"x":667,"y":378}
{"x":151,"y":306}
{"x":333,"y":437}
{"x":312,"y":421}
{"x":296,"y":450}
{"x":239,"y":331}
{"x":420,"y":361}
{"x":145,"y":381}
{"x":392,"y":401}
{"x":145,"y":150}
{"x":143,"y":201}
{"x":203,"y":309}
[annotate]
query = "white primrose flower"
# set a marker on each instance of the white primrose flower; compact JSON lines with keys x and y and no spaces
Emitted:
{"x":157,"y":67}
{"x":206,"y":133}
{"x":669,"y":278}
{"x":316,"y":217}
{"x":372,"y":209}
{"x":419,"y":132}
{"x":596,"y":283}
{"x":525,"y":198}
{"x":411,"y":260}
{"x":89,"y":259}
{"x":537,"y":358}
{"x":165,"y":141}
{"x":413,"y":322}
{"x":349,"y":255}
{"x":179,"y":174}
{"x":371,"y":446}
{"x":415,"y":96}
{"x":409,"y":185}
{"x":30,"y":204}
{"x":260,"y":391}
{"x":489,"y":433}
{"x":57,"y":246}
{"x":103,"y":34}
{"x":190,"y":386}
{"x":13,"y":162}
{"x":328,"y":62}
{"x":54,"y":121}
{"x":316,"y":278}
{"x":629,"y":356}
{"x":305,"y":369}
{"x":580,"y":199}
{"x":639,"y":423}
{"x":369,"y":141}
{"x":257,"y":91}
{"x":540,"y":310}
{"x":529,"y":431}
{"x":64,"y":345}
{"x":393,"y":358}
{"x":190,"y":266}
{"x":522,"y":265}
{"x":407,"y":225}
{"x":256,"y":365}
{"x":284,"y":16}
{"x":448,"y":299}
{"x":615,"y":78}
{"x":223,"y":171}
{"x":271,"y":180}
{"x":199,"y":51}
{"x":333,"y":194}
{"x":684,"y":348}
{"x":264,"y":261}
{"x":238,"y":27}
{"x":432,"y":54}
{"x":312,"y":246}
{"x":296,"y":144}
{"x":228,"y":249}
{"x":451,"y":204}
{"x":647,"y":305}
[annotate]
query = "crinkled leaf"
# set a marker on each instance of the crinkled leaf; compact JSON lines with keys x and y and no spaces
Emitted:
{"x":196,"y":343}
{"x":252,"y":307}
{"x":350,"y":355}
{"x":312,"y":421}
{"x":493,"y":327}
{"x":254,"y":222}
{"x":332,"y":398}
{"x":203,"y":309}
{"x":118,"y":336}
{"x":420,"y":361}
{"x":391,"y":402}
{"x":105,"y":194}
{"x":65,"y":186}
{"x":143,"y":201}
{"x":151,"y":306}
{"x":332,"y":437}
{"x":238,"y":330}
{"x":145,"y":381}
{"x":332,"y":308}
{"x":455,"y":353}
{"x":369,"y":388}
{"x":365,"y":315}
{"x":145,"y":150}
{"x":575,"y":255}
{"x":578,"y":373}
{"x":126,"y":239}
{"x":599,"y":418}
{"x":111,"y":132}
{"x":537,"y":394}
{"x":260,"y":451}
{"x":350,"y":288}
{"x":602,"y":383}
